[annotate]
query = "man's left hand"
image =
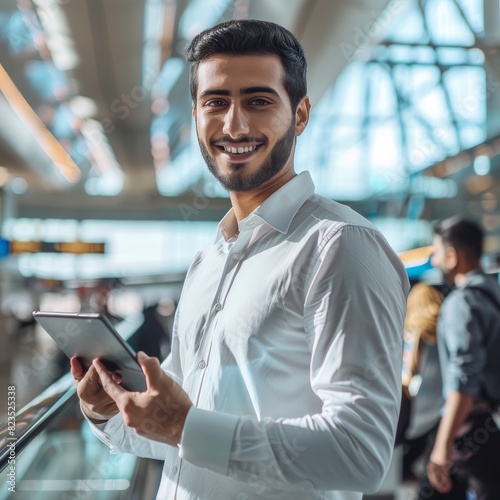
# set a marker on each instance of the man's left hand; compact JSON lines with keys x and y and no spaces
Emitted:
{"x":158,"y":413}
{"x":438,"y":471}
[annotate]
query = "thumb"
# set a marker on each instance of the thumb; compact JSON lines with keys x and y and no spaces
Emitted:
{"x":150,"y":367}
{"x":142,"y":356}
{"x":76,"y":368}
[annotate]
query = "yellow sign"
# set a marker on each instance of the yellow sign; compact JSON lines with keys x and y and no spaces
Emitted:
{"x":75,"y":247}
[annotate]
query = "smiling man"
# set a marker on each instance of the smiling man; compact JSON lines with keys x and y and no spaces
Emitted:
{"x":246,"y":130}
{"x":284,"y":376}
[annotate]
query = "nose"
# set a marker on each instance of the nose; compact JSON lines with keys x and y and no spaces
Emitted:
{"x":235,"y":122}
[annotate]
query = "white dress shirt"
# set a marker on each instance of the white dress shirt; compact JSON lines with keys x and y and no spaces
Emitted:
{"x":288,"y":340}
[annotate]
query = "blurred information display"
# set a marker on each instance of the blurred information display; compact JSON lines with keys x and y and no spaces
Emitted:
{"x":75,"y":247}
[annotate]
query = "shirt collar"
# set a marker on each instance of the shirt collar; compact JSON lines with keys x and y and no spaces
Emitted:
{"x":277,"y":211}
{"x":468,"y":277}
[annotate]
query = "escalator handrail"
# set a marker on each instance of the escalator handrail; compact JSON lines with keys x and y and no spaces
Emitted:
{"x":31,"y":420}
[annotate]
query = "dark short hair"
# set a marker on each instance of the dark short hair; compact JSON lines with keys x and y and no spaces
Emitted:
{"x":249,"y":36}
{"x":463,"y":233}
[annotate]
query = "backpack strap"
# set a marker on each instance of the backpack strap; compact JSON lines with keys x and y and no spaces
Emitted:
{"x":495,"y":405}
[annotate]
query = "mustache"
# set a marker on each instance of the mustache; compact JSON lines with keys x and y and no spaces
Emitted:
{"x":249,"y":140}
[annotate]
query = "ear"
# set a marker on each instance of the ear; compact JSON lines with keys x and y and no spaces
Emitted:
{"x":302,"y":115}
{"x":193,"y":111}
{"x":451,"y":257}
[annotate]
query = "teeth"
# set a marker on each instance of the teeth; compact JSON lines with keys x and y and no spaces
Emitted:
{"x":247,"y":149}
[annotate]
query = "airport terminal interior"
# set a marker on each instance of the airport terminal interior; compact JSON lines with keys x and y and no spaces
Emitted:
{"x":105,"y":198}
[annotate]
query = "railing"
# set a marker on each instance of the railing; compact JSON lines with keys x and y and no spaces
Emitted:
{"x":34,"y":418}
{"x":54,"y":456}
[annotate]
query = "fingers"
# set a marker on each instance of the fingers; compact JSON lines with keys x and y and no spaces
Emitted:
{"x":76,"y":368}
{"x":86,"y":378}
{"x":439,"y":477}
{"x":88,"y":385}
{"x":108,"y":384}
{"x":151,"y":368}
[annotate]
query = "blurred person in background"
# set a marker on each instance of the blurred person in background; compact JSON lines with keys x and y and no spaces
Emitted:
{"x":284,"y":377}
{"x":422,"y":401}
{"x":466,"y":451}
{"x":153,"y":336}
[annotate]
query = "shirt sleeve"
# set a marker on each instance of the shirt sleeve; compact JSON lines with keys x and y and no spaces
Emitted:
{"x":355,"y":302}
{"x":122,"y":439}
{"x":461,"y":344}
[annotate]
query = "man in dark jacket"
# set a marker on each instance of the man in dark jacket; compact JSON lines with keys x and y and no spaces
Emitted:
{"x":467,"y":445}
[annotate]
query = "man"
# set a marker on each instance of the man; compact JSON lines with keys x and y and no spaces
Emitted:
{"x":284,"y":376}
{"x":466,"y":449}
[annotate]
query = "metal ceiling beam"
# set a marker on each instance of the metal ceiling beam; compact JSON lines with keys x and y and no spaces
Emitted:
{"x":331,"y":32}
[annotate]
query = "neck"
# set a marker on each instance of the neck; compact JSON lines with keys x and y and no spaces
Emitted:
{"x":461,"y":277}
{"x":245,"y":202}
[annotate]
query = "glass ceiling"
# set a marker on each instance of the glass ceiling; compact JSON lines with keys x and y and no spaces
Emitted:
{"x":405,"y":108}
{"x":418,"y":99}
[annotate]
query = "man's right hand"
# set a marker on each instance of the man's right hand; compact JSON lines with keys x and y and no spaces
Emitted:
{"x":94,"y":400}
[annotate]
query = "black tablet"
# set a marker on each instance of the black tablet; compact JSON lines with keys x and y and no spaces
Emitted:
{"x":91,"y":335}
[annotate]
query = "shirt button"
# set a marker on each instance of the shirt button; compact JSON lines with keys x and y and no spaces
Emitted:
{"x":202,"y":364}
{"x":175,"y":470}
{"x":218,"y":306}
{"x":236,"y":256}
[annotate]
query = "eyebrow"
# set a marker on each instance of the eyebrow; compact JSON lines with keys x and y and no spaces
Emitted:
{"x":258,"y":90}
{"x":244,"y":91}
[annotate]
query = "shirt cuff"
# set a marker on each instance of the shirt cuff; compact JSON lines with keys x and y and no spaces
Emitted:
{"x":207,"y":439}
{"x":103,"y":431}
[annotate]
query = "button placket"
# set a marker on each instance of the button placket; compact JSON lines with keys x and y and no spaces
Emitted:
{"x":230,"y":270}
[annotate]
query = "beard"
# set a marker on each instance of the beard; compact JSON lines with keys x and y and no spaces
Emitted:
{"x":238,"y":180}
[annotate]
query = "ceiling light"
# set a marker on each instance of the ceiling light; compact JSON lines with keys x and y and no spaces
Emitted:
{"x":83,"y":107}
{"x":32,"y":122}
{"x":110,"y":178}
{"x":58,"y":33}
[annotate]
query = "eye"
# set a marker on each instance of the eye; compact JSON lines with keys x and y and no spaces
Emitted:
{"x":259,"y":101}
{"x":215,"y":103}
